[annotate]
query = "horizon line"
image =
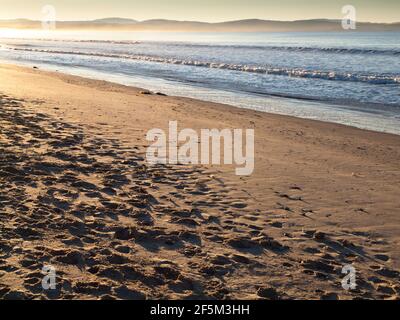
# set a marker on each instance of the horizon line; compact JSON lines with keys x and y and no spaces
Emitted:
{"x":198,"y":21}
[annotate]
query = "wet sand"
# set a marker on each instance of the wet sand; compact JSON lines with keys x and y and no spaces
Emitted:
{"x":77,"y":194}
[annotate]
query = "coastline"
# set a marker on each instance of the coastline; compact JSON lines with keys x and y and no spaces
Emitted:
{"x":366,"y":116}
{"x":310,"y":177}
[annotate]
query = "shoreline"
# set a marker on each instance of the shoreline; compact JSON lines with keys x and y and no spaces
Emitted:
{"x":271,"y":103}
{"x":322,"y":195}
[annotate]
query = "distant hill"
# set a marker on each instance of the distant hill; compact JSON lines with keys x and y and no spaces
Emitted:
{"x":250,"y":25}
{"x":115,"y":21}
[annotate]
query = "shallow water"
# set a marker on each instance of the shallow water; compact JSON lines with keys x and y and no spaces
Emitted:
{"x":350,"y":78}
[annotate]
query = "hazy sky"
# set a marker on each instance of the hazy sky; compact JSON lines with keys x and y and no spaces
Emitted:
{"x":202,"y":10}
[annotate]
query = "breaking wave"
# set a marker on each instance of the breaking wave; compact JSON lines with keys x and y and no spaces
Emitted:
{"x":268,"y":70}
{"x":338,"y":50}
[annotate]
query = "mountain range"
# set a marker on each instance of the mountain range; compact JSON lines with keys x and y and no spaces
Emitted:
{"x":250,"y":25}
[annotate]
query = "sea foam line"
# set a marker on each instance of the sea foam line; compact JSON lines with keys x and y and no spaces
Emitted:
{"x":268,"y":70}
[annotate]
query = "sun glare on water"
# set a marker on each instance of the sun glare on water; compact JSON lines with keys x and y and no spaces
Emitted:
{"x":20,"y":33}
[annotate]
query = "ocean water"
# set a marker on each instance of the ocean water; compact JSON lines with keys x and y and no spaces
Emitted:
{"x":349,"y":78}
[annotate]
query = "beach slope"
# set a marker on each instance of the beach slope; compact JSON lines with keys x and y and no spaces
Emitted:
{"x":78,"y":195}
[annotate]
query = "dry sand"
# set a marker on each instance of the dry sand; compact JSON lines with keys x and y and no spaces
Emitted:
{"x":77,"y":193}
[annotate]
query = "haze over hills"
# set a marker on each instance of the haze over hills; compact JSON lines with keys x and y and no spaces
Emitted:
{"x":250,"y":25}
{"x":114,"y":21}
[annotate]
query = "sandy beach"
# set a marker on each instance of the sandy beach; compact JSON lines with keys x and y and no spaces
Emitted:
{"x":77,"y":193}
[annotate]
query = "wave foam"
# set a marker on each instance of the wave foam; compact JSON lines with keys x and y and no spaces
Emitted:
{"x":268,"y":70}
